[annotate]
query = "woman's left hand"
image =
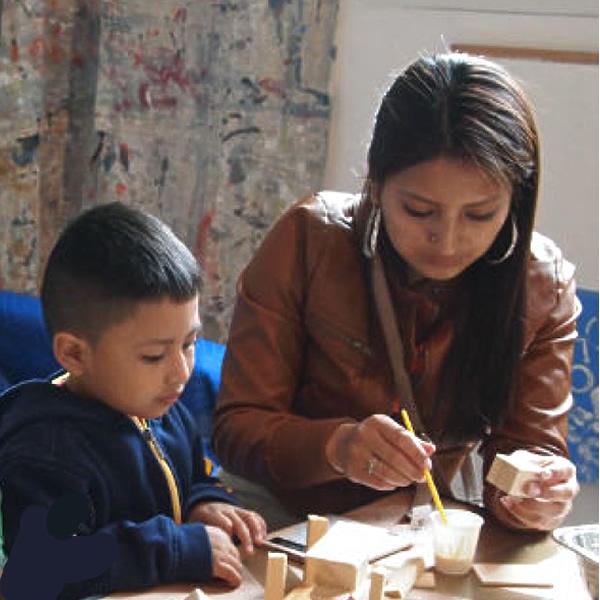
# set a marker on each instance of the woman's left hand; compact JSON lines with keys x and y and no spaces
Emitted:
{"x":549,"y":495}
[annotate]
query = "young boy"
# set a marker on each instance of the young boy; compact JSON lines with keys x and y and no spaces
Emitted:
{"x":120,"y":298}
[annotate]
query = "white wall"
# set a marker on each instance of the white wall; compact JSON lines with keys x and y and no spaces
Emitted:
{"x":377,"y":38}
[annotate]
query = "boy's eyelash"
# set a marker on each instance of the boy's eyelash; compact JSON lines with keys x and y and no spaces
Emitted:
{"x":152,"y":359}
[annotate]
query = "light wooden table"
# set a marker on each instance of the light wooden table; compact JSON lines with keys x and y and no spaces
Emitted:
{"x":495,"y":545}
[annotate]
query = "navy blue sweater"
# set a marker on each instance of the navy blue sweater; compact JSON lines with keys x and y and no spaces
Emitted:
{"x":54,"y":442}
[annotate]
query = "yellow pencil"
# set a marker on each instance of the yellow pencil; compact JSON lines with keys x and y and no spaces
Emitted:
{"x":428,"y":477}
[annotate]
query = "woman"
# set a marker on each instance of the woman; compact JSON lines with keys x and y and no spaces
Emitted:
{"x":429,"y":292}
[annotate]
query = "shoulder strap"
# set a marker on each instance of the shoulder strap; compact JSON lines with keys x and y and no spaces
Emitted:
{"x":471,"y":481}
{"x":393,"y":341}
{"x":420,"y":506}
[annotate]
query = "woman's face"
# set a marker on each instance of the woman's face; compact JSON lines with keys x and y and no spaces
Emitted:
{"x":442,"y":215}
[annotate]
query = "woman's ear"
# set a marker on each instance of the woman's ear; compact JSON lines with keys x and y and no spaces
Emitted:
{"x":71,"y":351}
{"x":374,"y":192}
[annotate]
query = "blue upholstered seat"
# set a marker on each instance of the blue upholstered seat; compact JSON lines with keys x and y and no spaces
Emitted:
{"x":26,"y":353}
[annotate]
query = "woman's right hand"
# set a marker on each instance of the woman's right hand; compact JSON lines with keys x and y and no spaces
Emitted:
{"x":226,"y":562}
{"x":379,"y":453}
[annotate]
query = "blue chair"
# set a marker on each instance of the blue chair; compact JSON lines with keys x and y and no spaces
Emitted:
{"x":26,"y":353}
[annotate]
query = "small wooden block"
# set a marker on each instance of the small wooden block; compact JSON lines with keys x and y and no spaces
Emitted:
{"x":519,"y":575}
{"x":302,"y":592}
{"x":197,"y":594}
{"x":400,"y":581}
{"x":510,"y":472}
{"x":338,"y":560}
{"x":317,"y":527}
{"x":377,"y":584}
{"x":275,"y":576}
{"x":425,"y":580}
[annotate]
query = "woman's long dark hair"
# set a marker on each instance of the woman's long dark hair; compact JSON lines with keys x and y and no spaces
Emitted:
{"x":459,"y":106}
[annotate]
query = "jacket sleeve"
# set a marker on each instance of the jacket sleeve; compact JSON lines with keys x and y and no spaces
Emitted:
{"x":204,"y":488}
{"x":538,"y":421}
{"x":256,"y":433}
{"x":148,"y":552}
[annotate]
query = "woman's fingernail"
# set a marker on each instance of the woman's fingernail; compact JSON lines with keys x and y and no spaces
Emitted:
{"x":546,"y":474}
{"x":534,"y":490}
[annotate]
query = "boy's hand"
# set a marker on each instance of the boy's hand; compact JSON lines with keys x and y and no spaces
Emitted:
{"x":226,"y":563}
{"x":249,"y":527}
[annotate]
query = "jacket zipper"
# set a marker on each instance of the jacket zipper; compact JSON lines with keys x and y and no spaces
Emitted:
{"x":142,"y":425}
{"x":356,"y":344}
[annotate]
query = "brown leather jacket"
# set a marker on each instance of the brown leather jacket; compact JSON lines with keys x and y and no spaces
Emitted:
{"x":305,"y":354}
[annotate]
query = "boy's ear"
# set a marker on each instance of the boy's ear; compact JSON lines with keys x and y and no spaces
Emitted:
{"x":71,"y":351}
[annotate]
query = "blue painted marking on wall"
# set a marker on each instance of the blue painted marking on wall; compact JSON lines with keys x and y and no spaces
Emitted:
{"x":583,"y":418}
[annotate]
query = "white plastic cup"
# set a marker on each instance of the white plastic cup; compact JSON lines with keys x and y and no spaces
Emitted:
{"x":454,"y":543}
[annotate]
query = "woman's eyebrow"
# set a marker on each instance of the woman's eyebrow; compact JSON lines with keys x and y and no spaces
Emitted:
{"x":487,"y":200}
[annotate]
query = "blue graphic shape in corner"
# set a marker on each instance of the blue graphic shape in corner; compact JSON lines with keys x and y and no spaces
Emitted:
{"x":47,"y":555}
{"x":583,"y":418}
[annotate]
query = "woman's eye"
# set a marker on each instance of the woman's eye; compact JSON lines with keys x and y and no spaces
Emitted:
{"x":482,"y":217}
{"x":419,"y":214}
{"x":154,"y":358}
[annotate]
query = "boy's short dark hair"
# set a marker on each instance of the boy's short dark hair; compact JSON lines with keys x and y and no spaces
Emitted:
{"x":106,"y":261}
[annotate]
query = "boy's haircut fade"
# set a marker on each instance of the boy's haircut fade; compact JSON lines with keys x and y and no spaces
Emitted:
{"x":107,"y":260}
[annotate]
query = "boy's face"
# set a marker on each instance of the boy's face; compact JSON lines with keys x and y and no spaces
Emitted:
{"x":140,"y":366}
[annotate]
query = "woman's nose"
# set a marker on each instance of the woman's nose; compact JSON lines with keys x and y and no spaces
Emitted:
{"x":445,"y":237}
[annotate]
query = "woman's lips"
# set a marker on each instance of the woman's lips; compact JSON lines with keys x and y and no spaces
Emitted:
{"x":444,"y":262}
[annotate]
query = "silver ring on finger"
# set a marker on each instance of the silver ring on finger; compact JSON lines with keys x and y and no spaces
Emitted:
{"x":372,"y":465}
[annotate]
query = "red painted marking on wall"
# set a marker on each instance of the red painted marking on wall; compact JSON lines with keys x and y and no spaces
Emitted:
{"x":120,"y":188}
{"x":272,"y":85}
{"x":55,"y":53}
{"x":78,"y":61}
{"x":202,"y":232}
{"x":163,"y":67}
{"x":14,"y":51}
{"x":180,"y":15}
{"x":36,"y":48}
{"x":164,"y":101}
{"x":125,"y":104}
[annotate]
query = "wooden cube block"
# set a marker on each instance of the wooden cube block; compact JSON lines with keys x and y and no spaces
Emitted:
{"x":275,"y":575}
{"x":338,"y":560}
{"x":316,"y":528}
{"x":377,"y":584}
{"x":301,"y":592}
{"x":425,"y":580}
{"x":510,"y":472}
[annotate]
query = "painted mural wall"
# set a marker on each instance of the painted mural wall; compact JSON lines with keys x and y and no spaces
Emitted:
{"x":212,"y":115}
